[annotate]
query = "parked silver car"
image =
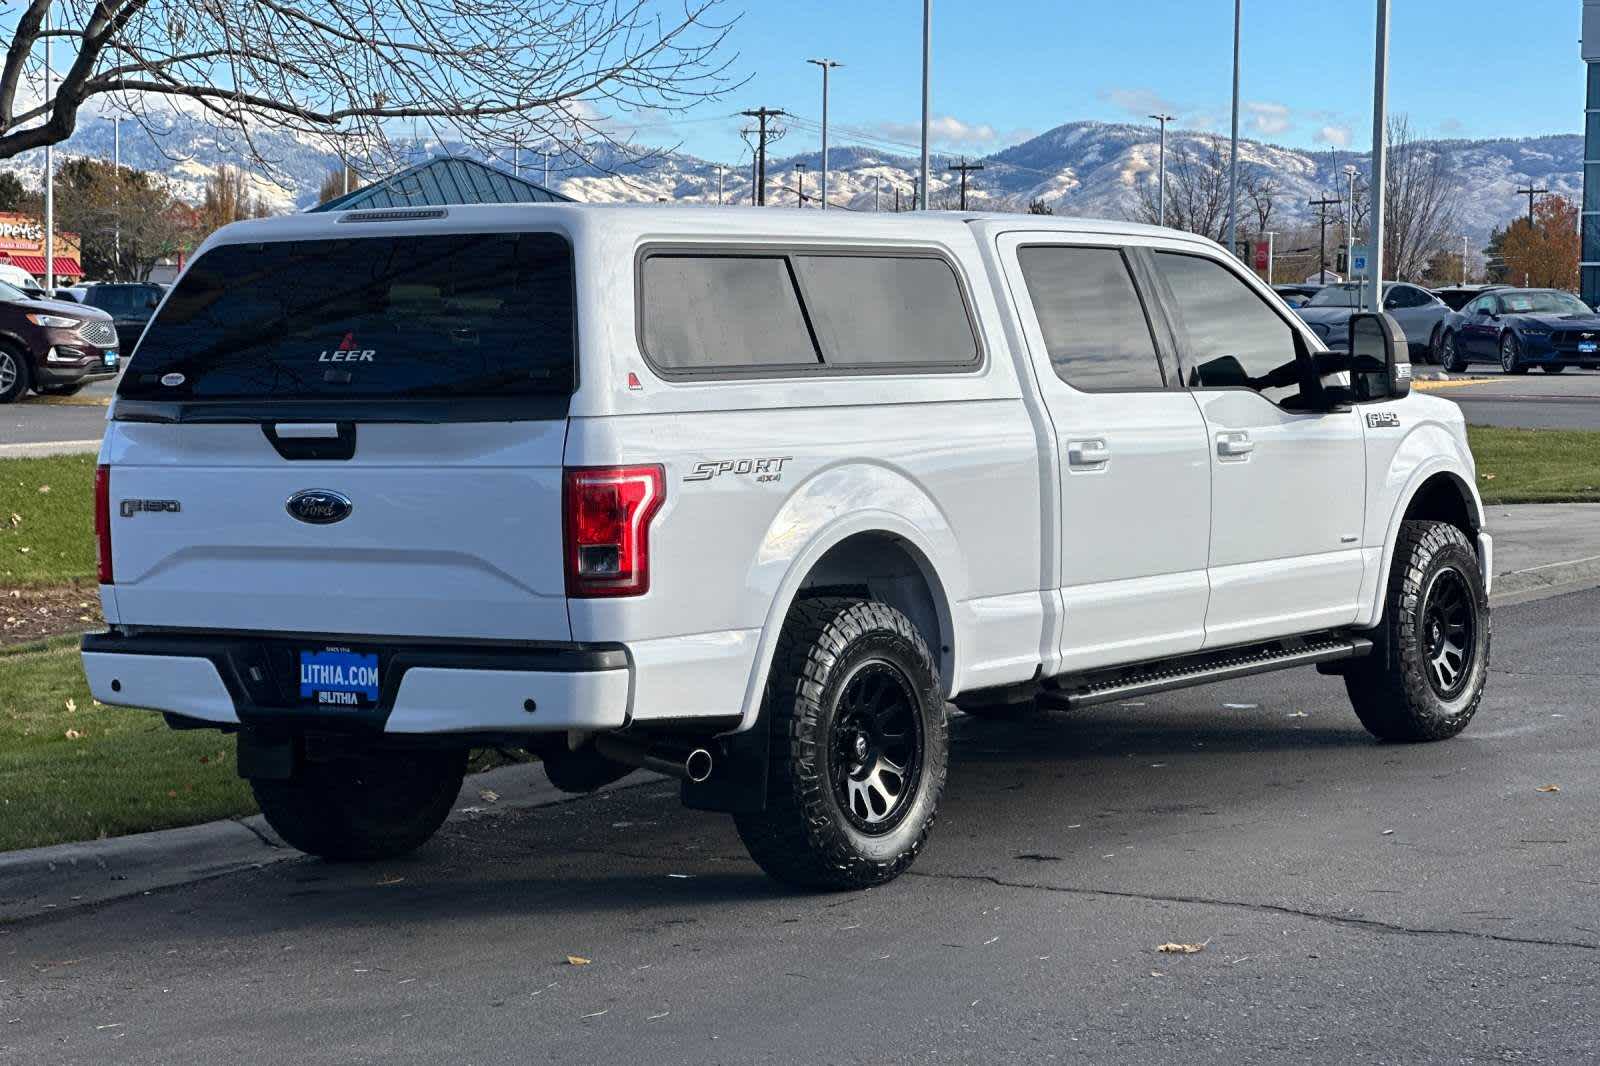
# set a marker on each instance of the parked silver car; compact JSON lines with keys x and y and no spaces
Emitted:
{"x":1419,"y":312}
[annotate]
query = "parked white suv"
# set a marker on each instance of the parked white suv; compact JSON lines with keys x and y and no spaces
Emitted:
{"x":750,"y":497}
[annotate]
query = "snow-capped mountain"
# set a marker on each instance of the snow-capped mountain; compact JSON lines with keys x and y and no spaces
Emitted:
{"x":1082,"y":168}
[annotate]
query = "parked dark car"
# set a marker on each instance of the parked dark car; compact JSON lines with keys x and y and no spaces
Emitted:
{"x":130,"y":305}
{"x":1524,"y":328}
{"x":53,"y":346}
{"x":1419,"y":312}
{"x":1458,"y":296}
{"x":1297,"y":295}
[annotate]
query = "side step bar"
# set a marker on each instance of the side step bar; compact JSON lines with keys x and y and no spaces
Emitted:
{"x":1084,"y":690}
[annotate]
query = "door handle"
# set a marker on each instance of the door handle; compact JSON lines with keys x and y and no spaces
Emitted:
{"x":1088,"y":453}
{"x":1235,"y":444}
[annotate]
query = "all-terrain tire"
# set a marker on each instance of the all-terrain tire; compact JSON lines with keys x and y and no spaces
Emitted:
{"x":373,"y":807}
{"x":808,"y":836}
{"x":1395,"y":689}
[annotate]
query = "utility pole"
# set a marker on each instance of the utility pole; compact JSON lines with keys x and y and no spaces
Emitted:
{"x":1380,"y":153}
{"x":1161,"y":186}
{"x":799,"y":184}
{"x":826,"y":65}
{"x":546,"y":153}
{"x":1322,"y":225}
{"x":964,"y":168}
{"x":1233,"y":153}
{"x":1530,"y":192}
{"x":761,"y":114}
{"x":719,"y":184}
{"x":927,"y":59}
{"x":877,"y":187}
{"x":1272,"y":240}
{"x":897,"y":199}
{"x":1463,"y":260}
{"x":747,"y":133}
{"x":49,"y":173}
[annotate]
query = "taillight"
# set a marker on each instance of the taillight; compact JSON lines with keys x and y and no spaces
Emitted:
{"x":608,"y":510}
{"x":102,"y":522}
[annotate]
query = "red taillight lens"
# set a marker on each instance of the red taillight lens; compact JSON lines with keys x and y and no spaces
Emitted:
{"x":102,"y":522}
{"x":608,"y":512}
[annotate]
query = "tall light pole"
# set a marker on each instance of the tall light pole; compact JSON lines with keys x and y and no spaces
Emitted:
{"x":1161,"y":188}
{"x":826,"y":65}
{"x":719,"y":184}
{"x":1233,"y":153}
{"x":1272,"y":241}
{"x":1350,"y":224}
{"x":1380,"y":153}
{"x":927,"y":58}
{"x":49,"y":173}
{"x":116,"y":170}
{"x":1463,"y":260}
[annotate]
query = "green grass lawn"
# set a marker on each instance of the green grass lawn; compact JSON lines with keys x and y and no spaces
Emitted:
{"x":1536,"y":465}
{"x":46,"y":521}
{"x":71,"y":770}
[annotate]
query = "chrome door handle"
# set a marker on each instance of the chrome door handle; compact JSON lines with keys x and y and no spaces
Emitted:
{"x":1234,"y":445}
{"x":1088,"y":453}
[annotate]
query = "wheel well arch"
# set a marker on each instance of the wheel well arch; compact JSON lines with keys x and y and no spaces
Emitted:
{"x":882,"y":566}
{"x":1444,"y":497}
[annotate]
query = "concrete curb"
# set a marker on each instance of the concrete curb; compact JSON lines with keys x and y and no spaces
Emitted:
{"x":61,"y":878}
{"x":1541,"y":582}
{"x":39,"y":449}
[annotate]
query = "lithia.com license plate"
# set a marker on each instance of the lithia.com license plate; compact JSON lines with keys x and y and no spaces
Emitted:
{"x":338,"y":677}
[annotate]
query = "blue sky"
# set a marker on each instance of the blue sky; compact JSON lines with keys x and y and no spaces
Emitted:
{"x":1007,"y":69}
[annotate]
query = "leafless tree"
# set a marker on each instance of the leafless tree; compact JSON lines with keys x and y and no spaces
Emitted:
{"x":347,"y":71}
{"x":1421,"y":204}
{"x":1261,"y":190}
{"x":1197,"y":189}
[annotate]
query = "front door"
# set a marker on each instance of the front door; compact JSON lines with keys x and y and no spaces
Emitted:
{"x":1134,"y":494}
{"x":1287,"y":481}
{"x":1480,"y":334}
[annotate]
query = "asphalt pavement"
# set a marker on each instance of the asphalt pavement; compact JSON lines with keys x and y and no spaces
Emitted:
{"x":1354,"y":902}
{"x":1536,"y":400}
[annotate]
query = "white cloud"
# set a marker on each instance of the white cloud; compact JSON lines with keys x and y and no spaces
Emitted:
{"x":1337,"y":136}
{"x":1268,"y":119}
{"x":1139,"y":102}
{"x":947,"y":132}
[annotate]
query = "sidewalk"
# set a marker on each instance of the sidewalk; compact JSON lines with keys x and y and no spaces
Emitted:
{"x":1543,"y":549}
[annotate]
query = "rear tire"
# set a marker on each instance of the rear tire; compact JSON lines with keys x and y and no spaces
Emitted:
{"x":13,"y":374}
{"x":859,"y":748}
{"x":1425,"y":676}
{"x":372,"y":807}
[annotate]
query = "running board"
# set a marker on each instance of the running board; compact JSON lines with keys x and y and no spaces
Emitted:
{"x":1084,"y":690}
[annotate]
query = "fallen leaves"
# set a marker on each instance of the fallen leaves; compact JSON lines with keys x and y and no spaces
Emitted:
{"x":1548,"y":788}
{"x":72,"y":705}
{"x":73,"y":734}
{"x":578,"y":960}
{"x":1173,"y":948}
{"x":489,"y":795}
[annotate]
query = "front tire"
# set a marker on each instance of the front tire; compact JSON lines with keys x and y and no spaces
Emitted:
{"x":373,"y":807}
{"x":13,"y":375}
{"x":1511,"y":355}
{"x":859,"y":748}
{"x":1450,"y":354}
{"x":1553,"y":368}
{"x":1425,"y":676}
{"x":60,"y":390}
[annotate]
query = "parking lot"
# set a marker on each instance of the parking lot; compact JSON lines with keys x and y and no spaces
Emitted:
{"x":1570,"y":400}
{"x":1355,"y":902}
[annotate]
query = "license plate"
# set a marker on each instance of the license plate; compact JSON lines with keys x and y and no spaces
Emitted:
{"x":339,"y":678}
{"x":1589,"y":347}
{"x":111,"y":358}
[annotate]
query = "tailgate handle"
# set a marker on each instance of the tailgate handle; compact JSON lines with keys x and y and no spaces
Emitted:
{"x":307,"y":430}
{"x":312,"y":440}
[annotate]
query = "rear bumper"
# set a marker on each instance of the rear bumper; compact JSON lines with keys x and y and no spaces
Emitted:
{"x":231,"y":681}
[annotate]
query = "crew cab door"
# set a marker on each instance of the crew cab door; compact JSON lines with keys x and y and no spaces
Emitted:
{"x":1133,"y":485}
{"x":1287,"y":480}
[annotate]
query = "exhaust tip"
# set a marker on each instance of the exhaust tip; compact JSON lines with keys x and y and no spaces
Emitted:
{"x":697,"y":765}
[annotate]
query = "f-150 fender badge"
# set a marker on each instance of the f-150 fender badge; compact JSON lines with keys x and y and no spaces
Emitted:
{"x":1383,"y":420}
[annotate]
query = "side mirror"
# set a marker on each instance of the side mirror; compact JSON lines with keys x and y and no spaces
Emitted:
{"x":153,"y":302}
{"x":1380,"y":364}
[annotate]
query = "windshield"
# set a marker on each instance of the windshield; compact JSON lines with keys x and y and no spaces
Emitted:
{"x":365,"y":318}
{"x":1543,"y":303}
{"x":11,"y":292}
{"x":1337,"y":296}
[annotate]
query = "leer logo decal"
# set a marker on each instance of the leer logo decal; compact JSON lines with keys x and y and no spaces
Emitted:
{"x":347,"y":352}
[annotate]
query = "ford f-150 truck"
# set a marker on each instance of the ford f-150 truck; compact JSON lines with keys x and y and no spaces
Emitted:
{"x":751,"y":498}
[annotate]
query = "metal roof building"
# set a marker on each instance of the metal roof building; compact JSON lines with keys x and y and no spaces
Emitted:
{"x":444,"y":181}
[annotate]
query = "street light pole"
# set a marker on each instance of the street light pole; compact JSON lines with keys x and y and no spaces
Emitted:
{"x":826,"y":65}
{"x":1233,"y":153}
{"x":1350,"y":225}
{"x":116,"y":170}
{"x":1272,"y":240}
{"x":1463,"y":260}
{"x":927,"y":57}
{"x":49,"y":174}
{"x":1380,"y":151}
{"x":1161,"y":187}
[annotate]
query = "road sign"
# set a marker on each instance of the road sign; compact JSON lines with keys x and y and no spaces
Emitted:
{"x":1261,"y":255}
{"x":1358,"y":260}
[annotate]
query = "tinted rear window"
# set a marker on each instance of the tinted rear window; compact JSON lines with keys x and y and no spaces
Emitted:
{"x":369,"y":318}
{"x":790,"y":312}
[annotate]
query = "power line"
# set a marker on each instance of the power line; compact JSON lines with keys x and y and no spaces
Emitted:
{"x":964,"y":168}
{"x":1530,"y":192}
{"x":761,"y":114}
{"x":1322,"y":225}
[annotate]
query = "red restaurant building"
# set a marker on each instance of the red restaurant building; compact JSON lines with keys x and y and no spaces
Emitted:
{"x":22,"y":244}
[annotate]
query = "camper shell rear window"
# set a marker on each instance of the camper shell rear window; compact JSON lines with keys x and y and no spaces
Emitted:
{"x":364,"y":320}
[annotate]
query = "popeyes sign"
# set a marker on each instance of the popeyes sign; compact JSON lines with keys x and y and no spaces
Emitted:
{"x":24,"y":234}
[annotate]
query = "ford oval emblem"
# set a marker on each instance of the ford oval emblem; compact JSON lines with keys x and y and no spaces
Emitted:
{"x":320,"y":507}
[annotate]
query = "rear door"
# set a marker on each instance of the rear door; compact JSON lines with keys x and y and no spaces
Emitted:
{"x":1135,"y":493}
{"x":360,"y":435}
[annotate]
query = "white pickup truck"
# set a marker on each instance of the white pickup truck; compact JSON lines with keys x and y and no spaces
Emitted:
{"x":751,"y":497}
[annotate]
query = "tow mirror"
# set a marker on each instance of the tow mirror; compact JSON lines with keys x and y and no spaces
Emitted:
{"x":1380,"y":366}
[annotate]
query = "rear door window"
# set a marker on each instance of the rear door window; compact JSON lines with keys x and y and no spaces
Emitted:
{"x":1094,"y":323}
{"x":365,"y":318}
